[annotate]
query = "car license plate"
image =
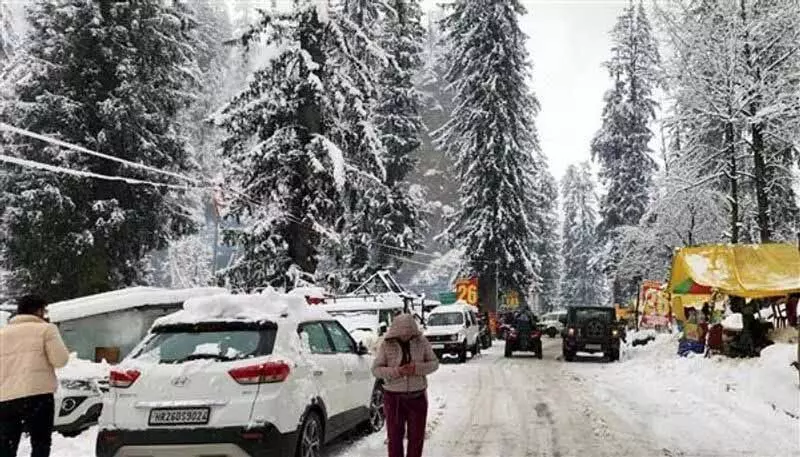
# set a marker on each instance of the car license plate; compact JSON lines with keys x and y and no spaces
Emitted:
{"x":183,"y":416}
{"x":594,"y":347}
{"x":437,"y":346}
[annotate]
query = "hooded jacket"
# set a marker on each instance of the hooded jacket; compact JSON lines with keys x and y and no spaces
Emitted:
{"x":390,"y":355}
{"x":30,"y":351}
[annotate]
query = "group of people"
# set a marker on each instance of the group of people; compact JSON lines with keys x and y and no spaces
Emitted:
{"x":31,"y":349}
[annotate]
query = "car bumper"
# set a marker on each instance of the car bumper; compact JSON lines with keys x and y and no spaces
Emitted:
{"x":83,"y":421}
{"x":441,"y":349}
{"x":264,"y":441}
{"x":590,"y":346}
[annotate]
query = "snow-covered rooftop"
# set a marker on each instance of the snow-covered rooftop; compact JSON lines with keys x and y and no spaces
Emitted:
{"x":120,"y":300}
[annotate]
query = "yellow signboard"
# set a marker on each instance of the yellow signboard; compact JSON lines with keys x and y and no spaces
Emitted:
{"x":467,"y":291}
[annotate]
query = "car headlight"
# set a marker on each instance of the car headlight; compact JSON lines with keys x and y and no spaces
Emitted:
{"x":78,"y":384}
{"x":455,"y":337}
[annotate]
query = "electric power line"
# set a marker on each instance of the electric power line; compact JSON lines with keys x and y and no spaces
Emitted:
{"x":88,"y":174}
{"x":81,"y":149}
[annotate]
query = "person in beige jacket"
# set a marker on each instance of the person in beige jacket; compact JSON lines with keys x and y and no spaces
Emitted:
{"x":403,"y":361}
{"x":30,"y":351}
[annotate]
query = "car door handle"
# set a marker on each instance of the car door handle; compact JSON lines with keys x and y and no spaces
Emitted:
{"x":318,"y":372}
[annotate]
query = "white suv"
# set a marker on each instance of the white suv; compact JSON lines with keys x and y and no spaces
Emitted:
{"x":239,"y":376}
{"x":453,"y":329}
{"x":552,"y":324}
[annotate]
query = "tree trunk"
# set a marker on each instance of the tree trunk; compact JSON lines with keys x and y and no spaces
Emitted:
{"x":487,"y":290}
{"x":734,"y":183}
{"x":760,"y":171}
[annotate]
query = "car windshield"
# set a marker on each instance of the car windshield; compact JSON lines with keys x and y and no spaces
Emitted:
{"x":583,"y":315}
{"x":178,"y":344}
{"x":438,"y":319}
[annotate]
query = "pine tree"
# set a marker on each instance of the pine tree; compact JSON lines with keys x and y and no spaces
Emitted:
{"x":400,"y":224}
{"x":288,"y":173}
{"x":582,"y":280}
{"x":492,"y":139}
{"x":304,"y":153}
{"x":549,"y":247}
{"x":109,"y":76}
{"x":621,"y":145}
{"x":360,"y":139}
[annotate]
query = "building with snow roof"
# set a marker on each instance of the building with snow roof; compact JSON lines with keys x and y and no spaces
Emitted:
{"x":109,"y":325}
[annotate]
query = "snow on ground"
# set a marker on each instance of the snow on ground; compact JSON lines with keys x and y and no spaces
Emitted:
{"x":650,"y":404}
{"x":706,"y":406}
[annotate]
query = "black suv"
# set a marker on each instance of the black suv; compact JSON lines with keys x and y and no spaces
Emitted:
{"x":590,"y":329}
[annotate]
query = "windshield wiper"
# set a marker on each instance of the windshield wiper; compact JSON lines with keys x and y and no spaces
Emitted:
{"x":220,"y":357}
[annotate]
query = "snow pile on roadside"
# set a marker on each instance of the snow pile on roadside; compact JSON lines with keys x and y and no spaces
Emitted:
{"x":669,"y":396}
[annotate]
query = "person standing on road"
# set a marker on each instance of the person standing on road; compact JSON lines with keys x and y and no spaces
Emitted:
{"x":30,"y":350}
{"x":403,"y":361}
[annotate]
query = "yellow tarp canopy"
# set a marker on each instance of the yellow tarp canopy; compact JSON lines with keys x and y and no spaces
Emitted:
{"x":744,"y":270}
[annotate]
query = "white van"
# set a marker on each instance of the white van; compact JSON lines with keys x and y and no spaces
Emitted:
{"x":454,"y":330}
{"x":366,"y":318}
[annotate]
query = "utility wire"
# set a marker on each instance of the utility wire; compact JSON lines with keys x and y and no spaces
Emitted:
{"x":88,"y":174}
{"x":81,"y":149}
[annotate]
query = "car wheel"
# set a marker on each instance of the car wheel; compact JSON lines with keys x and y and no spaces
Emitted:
{"x":309,"y":444}
{"x":613,"y":356}
{"x":568,"y":355}
{"x":489,"y":338}
{"x":477,"y":348}
{"x":508,"y":352}
{"x":539,"y":354}
{"x":70,"y":434}
{"x":462,"y":355}
{"x":377,"y":417}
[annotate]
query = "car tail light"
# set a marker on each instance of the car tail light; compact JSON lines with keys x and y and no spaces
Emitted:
{"x":571,"y":331}
{"x":315,"y":300}
{"x":261,"y":374}
{"x":537,"y":334}
{"x":123,"y":379}
{"x":107,"y":436}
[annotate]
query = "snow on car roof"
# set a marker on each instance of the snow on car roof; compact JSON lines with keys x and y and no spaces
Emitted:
{"x":120,"y":300}
{"x":268,"y":306}
{"x":454,"y":308}
{"x":358,"y":303}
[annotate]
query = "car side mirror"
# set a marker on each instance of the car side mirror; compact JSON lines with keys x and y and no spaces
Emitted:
{"x":382,"y":328}
{"x":468,"y":324}
{"x":362,"y":349}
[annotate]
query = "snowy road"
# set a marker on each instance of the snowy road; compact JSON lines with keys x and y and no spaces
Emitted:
{"x":519,"y":407}
{"x":651,"y":405}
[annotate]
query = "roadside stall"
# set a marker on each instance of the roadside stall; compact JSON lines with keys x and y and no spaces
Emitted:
{"x":706,"y":281}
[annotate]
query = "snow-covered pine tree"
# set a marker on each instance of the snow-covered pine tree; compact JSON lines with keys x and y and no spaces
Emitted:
{"x":288,"y":173}
{"x":492,"y":138}
{"x":582,"y":280}
{"x":360,"y":60}
{"x":549,"y":247}
{"x":621,"y":145}
{"x":110,"y":76}
{"x":401,"y":223}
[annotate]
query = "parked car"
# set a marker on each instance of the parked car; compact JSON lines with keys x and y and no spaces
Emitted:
{"x":240,"y":375}
{"x":453,"y":330}
{"x":592,"y":329}
{"x":367,"y":319}
{"x":551,"y":323}
{"x":79,"y":402}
